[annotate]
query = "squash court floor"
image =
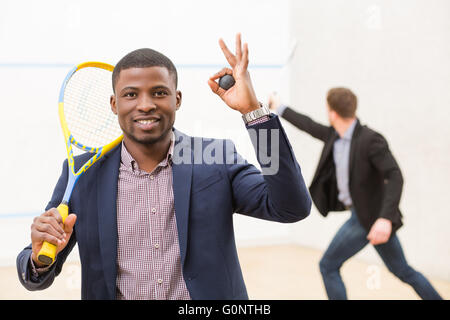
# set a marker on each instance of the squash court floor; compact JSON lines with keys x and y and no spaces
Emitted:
{"x":279,"y":272}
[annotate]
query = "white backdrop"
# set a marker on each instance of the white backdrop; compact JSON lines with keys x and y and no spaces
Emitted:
{"x":41,"y":41}
{"x":395,"y":55}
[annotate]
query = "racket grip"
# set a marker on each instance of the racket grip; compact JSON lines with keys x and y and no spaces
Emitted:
{"x":47,"y":253}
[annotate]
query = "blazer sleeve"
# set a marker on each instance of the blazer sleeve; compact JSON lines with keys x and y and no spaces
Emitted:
{"x":382,"y":159}
{"x":43,"y":281}
{"x":305,"y":123}
{"x":278,"y":193}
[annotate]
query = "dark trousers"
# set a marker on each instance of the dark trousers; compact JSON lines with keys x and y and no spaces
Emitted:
{"x":348,"y":241}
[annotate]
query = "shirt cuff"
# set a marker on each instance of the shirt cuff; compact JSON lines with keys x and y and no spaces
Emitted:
{"x":259,"y":120}
{"x":281,"y":109}
{"x":36,"y":272}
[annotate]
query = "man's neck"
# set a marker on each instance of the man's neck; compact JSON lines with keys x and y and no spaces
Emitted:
{"x":148,"y":156}
{"x":341,"y":125}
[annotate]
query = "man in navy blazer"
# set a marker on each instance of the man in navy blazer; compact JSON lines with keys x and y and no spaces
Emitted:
{"x":206,"y":192}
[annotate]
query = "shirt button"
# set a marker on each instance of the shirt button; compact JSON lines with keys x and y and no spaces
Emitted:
{"x":160,"y":281}
{"x":156,"y":245}
{"x":152,"y":177}
{"x":153,"y":210}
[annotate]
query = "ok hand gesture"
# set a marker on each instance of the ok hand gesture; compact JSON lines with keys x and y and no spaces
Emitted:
{"x":241,"y":96}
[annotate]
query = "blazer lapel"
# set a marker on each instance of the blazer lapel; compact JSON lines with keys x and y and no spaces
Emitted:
{"x":327,"y":149}
{"x":182,"y":177}
{"x":107,"y":178}
{"x":353,"y":147}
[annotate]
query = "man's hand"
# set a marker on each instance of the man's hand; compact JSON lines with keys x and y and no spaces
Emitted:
{"x":49,"y":227}
{"x":274,"y":101}
{"x":380,"y":231}
{"x":241,"y":96}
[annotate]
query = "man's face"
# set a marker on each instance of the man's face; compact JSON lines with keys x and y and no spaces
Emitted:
{"x":145,"y":101}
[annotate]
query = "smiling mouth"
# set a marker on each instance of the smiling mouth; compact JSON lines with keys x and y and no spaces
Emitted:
{"x":147,"y":124}
{"x":147,"y":121}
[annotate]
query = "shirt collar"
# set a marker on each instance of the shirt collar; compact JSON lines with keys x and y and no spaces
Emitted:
{"x":129,"y":162}
{"x":349,"y":133}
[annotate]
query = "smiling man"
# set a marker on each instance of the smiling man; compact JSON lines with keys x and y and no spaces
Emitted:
{"x":145,"y":101}
{"x":151,"y":223}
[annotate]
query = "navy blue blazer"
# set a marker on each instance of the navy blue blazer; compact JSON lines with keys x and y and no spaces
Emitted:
{"x":205,"y":195}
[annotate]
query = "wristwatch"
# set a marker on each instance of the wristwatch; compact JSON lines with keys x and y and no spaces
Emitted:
{"x":256,"y":114}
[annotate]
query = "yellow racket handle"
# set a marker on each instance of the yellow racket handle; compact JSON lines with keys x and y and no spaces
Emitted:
{"x":47,"y":253}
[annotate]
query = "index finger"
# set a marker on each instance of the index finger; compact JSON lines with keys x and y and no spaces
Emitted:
{"x":54,"y":213}
{"x":221,"y":73}
{"x":228,"y":55}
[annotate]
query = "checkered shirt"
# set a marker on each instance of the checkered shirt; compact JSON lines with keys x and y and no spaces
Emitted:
{"x":148,"y":253}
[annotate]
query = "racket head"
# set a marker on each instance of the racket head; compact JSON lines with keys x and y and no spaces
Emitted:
{"x":84,"y":106}
{"x":85,"y":113}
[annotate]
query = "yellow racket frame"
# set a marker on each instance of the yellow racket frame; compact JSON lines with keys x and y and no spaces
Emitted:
{"x":48,"y":252}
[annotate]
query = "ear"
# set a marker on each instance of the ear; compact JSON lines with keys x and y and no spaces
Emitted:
{"x":179,"y":98}
{"x":112,"y":102}
{"x":333,"y":114}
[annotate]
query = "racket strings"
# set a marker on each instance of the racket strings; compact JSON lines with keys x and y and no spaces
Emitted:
{"x":87,"y":109}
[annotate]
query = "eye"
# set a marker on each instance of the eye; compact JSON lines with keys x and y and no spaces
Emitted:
{"x":160,"y":93}
{"x":130,"y":94}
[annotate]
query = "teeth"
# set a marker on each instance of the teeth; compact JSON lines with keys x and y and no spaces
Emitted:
{"x":146,"y":121}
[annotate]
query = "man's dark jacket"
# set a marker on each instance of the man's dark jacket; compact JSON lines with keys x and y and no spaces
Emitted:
{"x":375,"y":180}
{"x":205,"y":197}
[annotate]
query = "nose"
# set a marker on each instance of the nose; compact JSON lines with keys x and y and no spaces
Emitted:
{"x":145,"y":104}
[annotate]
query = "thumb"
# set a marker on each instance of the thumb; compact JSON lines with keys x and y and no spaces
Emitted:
{"x":70,"y":222}
{"x":215,"y":87}
{"x":370,"y":235}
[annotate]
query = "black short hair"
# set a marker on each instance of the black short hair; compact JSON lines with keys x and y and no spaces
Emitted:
{"x":144,"y":58}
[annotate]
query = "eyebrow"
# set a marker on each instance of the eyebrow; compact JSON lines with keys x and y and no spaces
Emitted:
{"x":128,"y":88}
{"x":160,"y":86}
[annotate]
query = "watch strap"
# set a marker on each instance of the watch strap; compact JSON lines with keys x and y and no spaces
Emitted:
{"x":256,"y":114}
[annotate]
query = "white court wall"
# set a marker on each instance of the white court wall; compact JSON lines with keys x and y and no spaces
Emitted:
{"x":41,"y":41}
{"x":395,"y":55}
